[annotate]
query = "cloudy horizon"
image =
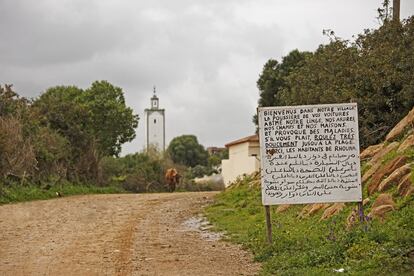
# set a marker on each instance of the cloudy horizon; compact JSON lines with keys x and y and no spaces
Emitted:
{"x":204,"y":57}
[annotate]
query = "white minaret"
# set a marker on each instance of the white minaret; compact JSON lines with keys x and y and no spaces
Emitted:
{"x":155,"y":124}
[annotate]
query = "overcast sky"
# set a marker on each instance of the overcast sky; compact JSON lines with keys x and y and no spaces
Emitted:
{"x":204,"y":56}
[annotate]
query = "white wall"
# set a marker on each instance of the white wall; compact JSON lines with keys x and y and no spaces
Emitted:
{"x":240,"y":161}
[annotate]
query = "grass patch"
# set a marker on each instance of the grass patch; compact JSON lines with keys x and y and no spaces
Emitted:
{"x":19,"y":193}
{"x":312,"y":247}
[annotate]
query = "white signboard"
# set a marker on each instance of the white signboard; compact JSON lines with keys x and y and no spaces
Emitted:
{"x":310,"y":154}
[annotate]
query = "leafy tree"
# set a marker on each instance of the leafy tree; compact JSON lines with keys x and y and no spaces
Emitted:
{"x":95,"y":122}
{"x":96,"y":116}
{"x":376,"y":71}
{"x":272,"y":80}
{"x":11,"y":104}
{"x":186,"y":150}
{"x":112,"y":122}
{"x":215,"y":159}
{"x":59,"y":108}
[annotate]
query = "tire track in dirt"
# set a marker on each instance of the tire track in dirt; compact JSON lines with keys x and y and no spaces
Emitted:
{"x":129,"y":234}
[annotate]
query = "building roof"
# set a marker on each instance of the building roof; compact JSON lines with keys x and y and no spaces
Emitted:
{"x":251,"y":138}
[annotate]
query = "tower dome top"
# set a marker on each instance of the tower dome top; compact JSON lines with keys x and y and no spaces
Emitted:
{"x":154,"y":96}
{"x":154,"y":100}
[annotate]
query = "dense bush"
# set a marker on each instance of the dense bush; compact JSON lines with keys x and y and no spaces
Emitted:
{"x":62,"y":135}
{"x":376,"y":71}
{"x":187,"y":151}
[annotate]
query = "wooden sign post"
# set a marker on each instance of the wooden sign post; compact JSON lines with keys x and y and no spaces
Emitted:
{"x":268,"y":225}
{"x":309,"y":154}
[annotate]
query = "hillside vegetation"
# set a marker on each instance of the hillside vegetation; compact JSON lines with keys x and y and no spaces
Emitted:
{"x":375,"y":70}
{"x":319,"y":239}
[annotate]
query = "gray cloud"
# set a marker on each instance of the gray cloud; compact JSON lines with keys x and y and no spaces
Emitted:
{"x":204,"y":56}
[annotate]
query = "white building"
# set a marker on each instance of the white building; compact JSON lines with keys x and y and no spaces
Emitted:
{"x":155,"y":124}
{"x":243,"y":158}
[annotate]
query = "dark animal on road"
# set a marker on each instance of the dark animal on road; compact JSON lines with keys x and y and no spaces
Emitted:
{"x":172,"y":178}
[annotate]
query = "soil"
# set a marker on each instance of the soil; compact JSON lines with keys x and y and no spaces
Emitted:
{"x":127,"y":234}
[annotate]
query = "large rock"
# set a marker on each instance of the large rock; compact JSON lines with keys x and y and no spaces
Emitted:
{"x":332,"y":210}
{"x":380,"y":211}
{"x":311,"y":209}
{"x":305,"y":210}
{"x":282,"y":208}
{"x":407,"y":143}
{"x":370,"y":172}
{"x":382,"y":205}
{"x":394,"y":178}
{"x":379,"y":155}
{"x":371,"y":151}
{"x":316,"y":207}
{"x":405,"y":187}
{"x":383,"y":199}
{"x":400,"y":127}
{"x":390,"y":167}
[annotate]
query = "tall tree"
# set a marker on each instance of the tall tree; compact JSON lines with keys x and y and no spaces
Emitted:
{"x":112,"y":122}
{"x":272,"y":80}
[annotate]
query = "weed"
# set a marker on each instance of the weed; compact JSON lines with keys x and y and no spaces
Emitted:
{"x":312,"y":247}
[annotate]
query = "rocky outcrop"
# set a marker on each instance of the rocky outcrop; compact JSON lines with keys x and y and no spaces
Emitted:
{"x":401,"y":126}
{"x":282,"y":208}
{"x":390,"y":167}
{"x":333,"y":210}
{"x":406,"y":187}
{"x":407,"y":143}
{"x":382,"y":205}
{"x":367,"y":175}
{"x":383,"y":199}
{"x":371,"y":151}
{"x":380,"y":211}
{"x":387,"y":149}
{"x":311,"y":209}
{"x":394,"y":178}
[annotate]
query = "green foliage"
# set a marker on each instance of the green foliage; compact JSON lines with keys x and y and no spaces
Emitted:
{"x":87,"y":124}
{"x":19,"y":193}
{"x":214,"y":160}
{"x":112,"y":122}
{"x":139,"y":172}
{"x":11,"y":105}
{"x":52,"y":152}
{"x":59,"y":137}
{"x":312,"y":247}
{"x":187,"y":151}
{"x":375,"y":71}
{"x":60,"y":110}
{"x":97,"y":115}
{"x":272,"y":80}
{"x":199,"y":171}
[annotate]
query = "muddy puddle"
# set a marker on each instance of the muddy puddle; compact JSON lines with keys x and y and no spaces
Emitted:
{"x":201,"y":225}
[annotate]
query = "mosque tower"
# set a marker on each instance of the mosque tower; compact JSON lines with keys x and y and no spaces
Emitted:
{"x":155,"y":124}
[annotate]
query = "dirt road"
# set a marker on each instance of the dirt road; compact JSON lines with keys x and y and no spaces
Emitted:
{"x":144,"y":234}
